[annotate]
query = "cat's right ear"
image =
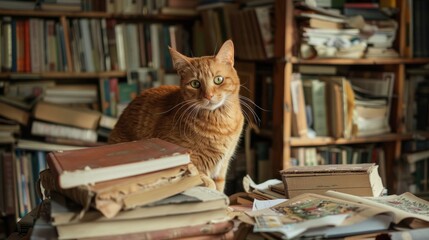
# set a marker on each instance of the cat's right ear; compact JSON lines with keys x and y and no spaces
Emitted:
{"x":179,"y":60}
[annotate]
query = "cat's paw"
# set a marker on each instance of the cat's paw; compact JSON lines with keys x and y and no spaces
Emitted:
{"x":208,"y":182}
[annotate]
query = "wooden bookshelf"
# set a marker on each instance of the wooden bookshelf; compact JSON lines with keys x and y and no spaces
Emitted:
{"x":63,"y":75}
{"x":364,"y":61}
{"x":283,"y":140}
{"x":69,"y":47}
{"x":321,"y":141}
{"x":57,"y":14}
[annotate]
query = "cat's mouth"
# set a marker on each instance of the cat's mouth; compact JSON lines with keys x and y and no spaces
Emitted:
{"x":211,"y":104}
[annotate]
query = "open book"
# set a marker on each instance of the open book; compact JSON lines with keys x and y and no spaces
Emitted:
{"x":338,"y":214}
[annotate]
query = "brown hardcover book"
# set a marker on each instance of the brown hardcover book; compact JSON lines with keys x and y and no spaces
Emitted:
{"x":13,"y":113}
{"x":318,"y":23}
{"x":209,"y":230}
{"x":68,"y":116}
{"x":112,"y":196}
{"x":118,"y":227}
{"x":358,"y":179}
{"x":9,"y":179}
{"x":299,"y":119}
{"x":92,"y":165}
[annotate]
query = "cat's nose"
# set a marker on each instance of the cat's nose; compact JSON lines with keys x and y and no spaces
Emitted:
{"x":209,"y":96}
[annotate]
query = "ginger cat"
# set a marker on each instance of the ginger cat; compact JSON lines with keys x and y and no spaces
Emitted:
{"x":202,"y":114}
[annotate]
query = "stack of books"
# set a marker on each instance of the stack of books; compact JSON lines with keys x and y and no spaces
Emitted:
{"x":356,"y":179}
{"x":145,"y":189}
{"x":357,"y":33}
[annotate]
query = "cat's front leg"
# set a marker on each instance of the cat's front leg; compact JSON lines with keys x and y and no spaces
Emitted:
{"x":220,"y":177}
{"x":208,"y":182}
{"x":220,"y":184}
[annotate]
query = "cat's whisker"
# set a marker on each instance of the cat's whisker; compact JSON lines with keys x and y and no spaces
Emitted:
{"x":248,"y":100}
{"x":177,"y":123}
{"x":184,"y":116}
{"x":247,"y":117}
{"x":245,"y":87}
{"x":252,"y":111}
{"x":191,"y":116}
{"x":182,"y":103}
{"x":230,"y":110}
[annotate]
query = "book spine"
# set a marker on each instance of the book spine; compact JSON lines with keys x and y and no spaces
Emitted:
{"x":54,"y":165}
{"x":87,"y":46}
{"x":42,"y":44}
{"x":142,"y":44}
{"x":209,"y":230}
{"x":27,"y":50}
{"x":7,"y":44}
{"x":14,"y":45}
{"x":9,"y":183}
{"x":111,"y":40}
{"x":34,"y":50}
{"x":201,"y":231}
{"x":106,"y":52}
{"x":54,"y":130}
{"x":119,"y":36}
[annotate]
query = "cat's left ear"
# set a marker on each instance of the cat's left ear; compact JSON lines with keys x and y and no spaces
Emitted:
{"x":226,"y":53}
{"x":179,"y":60}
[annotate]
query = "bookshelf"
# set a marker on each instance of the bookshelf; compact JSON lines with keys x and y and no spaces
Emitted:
{"x":31,"y":147}
{"x":284,"y":142}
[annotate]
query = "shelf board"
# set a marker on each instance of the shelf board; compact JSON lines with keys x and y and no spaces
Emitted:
{"x":361,"y":61}
{"x":62,"y":75}
{"x":321,"y":141}
{"x":424,"y":135}
{"x":82,"y":14}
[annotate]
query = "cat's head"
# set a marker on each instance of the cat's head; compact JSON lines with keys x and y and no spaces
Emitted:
{"x":210,"y":81}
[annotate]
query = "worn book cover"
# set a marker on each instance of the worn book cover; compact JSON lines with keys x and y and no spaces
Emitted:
{"x":358,"y":179}
{"x":118,"y":227}
{"x":75,"y":117}
{"x":113,"y":161}
{"x":195,"y":199}
{"x":110,"y":197}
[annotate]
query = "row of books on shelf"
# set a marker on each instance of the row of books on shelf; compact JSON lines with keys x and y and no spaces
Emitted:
{"x":359,"y":29}
{"x":73,"y":112}
{"x":414,"y":167}
{"x":62,"y":112}
{"x":149,"y":200}
{"x":415,"y":102}
{"x":251,"y":28}
{"x":87,"y":45}
{"x":362,"y":31}
{"x":128,"y":7}
{"x":341,"y":107}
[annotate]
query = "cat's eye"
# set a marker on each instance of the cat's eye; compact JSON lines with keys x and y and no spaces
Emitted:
{"x":218,"y":80}
{"x":195,"y":84}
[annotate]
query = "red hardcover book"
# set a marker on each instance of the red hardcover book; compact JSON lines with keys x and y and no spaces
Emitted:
{"x":20,"y":50}
{"x":108,"y":162}
{"x":27,"y":56}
